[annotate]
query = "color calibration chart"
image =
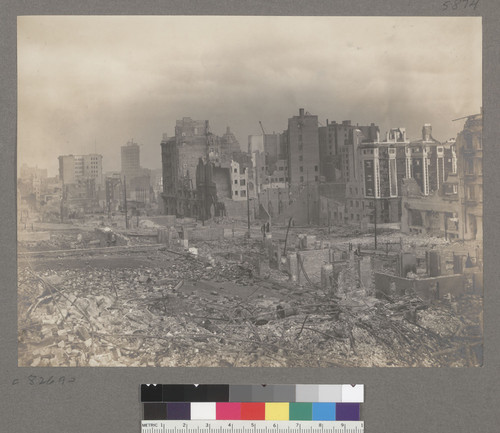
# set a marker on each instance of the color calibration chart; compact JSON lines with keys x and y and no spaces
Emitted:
{"x":252,"y":408}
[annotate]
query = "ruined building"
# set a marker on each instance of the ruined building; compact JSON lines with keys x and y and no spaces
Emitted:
{"x":75,"y":168}
{"x":196,"y":168}
{"x":338,"y":144}
{"x":269,"y":160}
{"x":339,"y":169}
{"x":179,"y":183}
{"x":425,"y":161}
{"x":384,"y":166}
{"x":303,"y":148}
{"x":382,"y":169}
{"x":448,"y":200}
{"x":137,"y":178}
{"x":130,"y":160}
{"x":82,"y":183}
{"x":470,"y":175}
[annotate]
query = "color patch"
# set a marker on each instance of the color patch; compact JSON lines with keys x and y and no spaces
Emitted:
{"x":284,"y":393}
{"x":155,"y":411}
{"x":352,"y":394}
{"x":301,"y":411}
{"x":195,"y":393}
{"x":323,"y":411}
{"x":239,"y":393}
{"x":253,"y":411}
{"x":347,"y":412}
{"x":192,"y":393}
{"x":151,"y":393}
{"x":203,"y":411}
{"x":178,"y":411}
{"x":228,"y":411}
{"x":307,"y":393}
{"x":277,"y":411}
{"x":217,"y":393}
{"x":262,"y":393}
{"x":330,"y":393}
{"x":173,"y":392}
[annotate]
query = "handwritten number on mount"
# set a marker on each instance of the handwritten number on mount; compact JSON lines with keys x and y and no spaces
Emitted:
{"x":474,"y":3}
{"x":463,"y":4}
{"x":40,"y":380}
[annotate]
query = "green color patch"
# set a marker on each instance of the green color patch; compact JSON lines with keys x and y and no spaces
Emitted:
{"x":301,"y":411}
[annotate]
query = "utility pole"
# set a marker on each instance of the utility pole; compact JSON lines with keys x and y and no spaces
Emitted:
{"x":110,"y":184}
{"x":307,"y":182}
{"x":375,"y":220}
{"x":125,"y":198}
{"x":248,"y":209}
{"x":63,"y":198}
{"x":286,"y":237}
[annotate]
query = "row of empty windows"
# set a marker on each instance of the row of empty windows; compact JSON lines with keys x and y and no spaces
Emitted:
{"x":301,"y":168}
{"x":359,"y":203}
{"x":353,"y":216}
{"x":316,"y":179}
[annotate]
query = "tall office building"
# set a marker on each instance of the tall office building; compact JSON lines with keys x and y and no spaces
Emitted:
{"x":75,"y":168}
{"x":130,"y":161}
{"x":303,"y":148}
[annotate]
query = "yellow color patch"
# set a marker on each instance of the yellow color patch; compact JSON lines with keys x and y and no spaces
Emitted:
{"x":277,"y":411}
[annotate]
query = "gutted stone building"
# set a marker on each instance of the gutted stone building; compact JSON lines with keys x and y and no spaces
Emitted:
{"x":196,"y":166}
{"x":303,"y":148}
{"x":383,"y":166}
{"x":451,"y":205}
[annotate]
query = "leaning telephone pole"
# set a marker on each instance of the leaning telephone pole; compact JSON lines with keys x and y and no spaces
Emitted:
{"x":125,"y":198}
{"x":307,"y":181}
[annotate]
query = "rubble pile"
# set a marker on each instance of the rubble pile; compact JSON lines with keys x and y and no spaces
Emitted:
{"x":58,"y":241}
{"x":213,"y":310}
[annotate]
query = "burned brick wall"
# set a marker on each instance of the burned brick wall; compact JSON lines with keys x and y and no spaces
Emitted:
{"x":400,"y":167}
{"x":384,"y":172}
{"x":433,"y":169}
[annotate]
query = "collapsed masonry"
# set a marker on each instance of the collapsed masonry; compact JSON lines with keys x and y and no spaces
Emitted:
{"x":211,"y":298}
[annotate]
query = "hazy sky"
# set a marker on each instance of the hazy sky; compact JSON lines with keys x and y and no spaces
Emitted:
{"x":92,"y":83}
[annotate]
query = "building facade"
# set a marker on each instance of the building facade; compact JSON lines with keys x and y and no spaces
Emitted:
{"x":469,"y":149}
{"x":76,"y":168}
{"x":383,"y":166}
{"x":303,"y":148}
{"x":451,"y":205}
{"x":137,"y":178}
{"x":197,"y":169}
{"x":131,"y":160}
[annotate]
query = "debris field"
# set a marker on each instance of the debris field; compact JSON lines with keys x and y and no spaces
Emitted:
{"x":162,"y":307}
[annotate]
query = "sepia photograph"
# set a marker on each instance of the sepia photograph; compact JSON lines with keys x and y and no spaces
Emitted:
{"x":249,"y":191}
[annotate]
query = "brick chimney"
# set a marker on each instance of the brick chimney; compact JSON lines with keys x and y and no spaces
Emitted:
{"x":427,"y":132}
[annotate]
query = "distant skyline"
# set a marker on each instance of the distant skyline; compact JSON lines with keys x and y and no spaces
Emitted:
{"x":90,"y":84}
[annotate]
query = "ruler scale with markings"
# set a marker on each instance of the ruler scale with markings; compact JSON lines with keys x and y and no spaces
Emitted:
{"x":164,"y":426}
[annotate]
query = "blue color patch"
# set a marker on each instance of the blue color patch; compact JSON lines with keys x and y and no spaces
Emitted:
{"x":323,"y":411}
